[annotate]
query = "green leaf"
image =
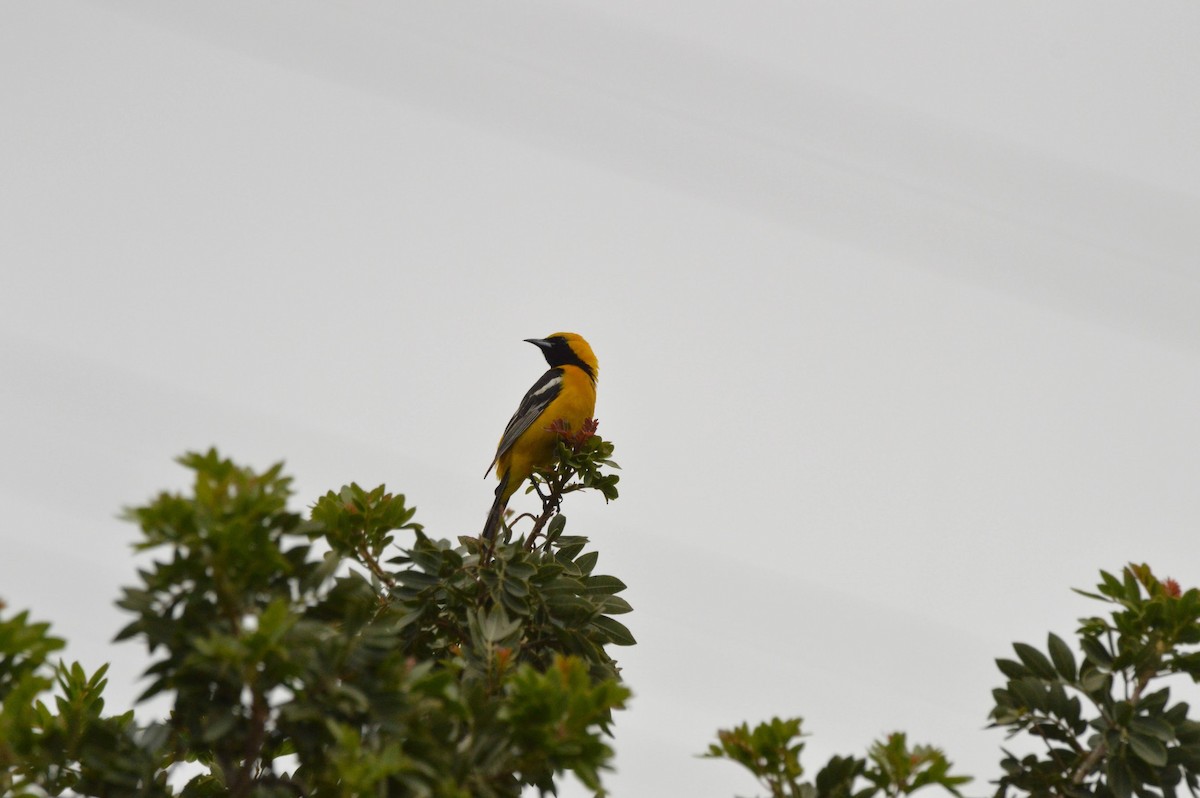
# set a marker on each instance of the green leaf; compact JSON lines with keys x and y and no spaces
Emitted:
{"x":1035,"y":660}
{"x":586,"y":562}
{"x":1063,"y":658}
{"x":555,"y":528}
{"x":1012,"y":669}
{"x":602,"y":585}
{"x":615,"y":631}
{"x":418,"y":580}
{"x":1149,"y":750}
{"x":1029,"y":693}
{"x":1154,"y":703}
{"x":1096,"y":653}
{"x":518,"y":589}
{"x":520,"y":570}
{"x":1094,"y":681}
{"x":1133,"y":588}
{"x":569,"y":545}
{"x":1119,"y":778}
{"x":1056,"y":700}
{"x":1153,"y":727}
{"x":615,"y":605}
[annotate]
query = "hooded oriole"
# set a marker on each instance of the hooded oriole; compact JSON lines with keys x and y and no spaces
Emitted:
{"x":567,"y":392}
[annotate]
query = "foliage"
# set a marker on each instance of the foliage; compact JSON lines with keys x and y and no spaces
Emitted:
{"x":45,"y":750}
{"x":581,"y":457}
{"x":318,"y":656}
{"x":301,"y":659}
{"x":771,"y":752}
{"x":1105,"y":721}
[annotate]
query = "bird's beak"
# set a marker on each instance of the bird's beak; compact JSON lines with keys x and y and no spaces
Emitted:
{"x":540,"y":342}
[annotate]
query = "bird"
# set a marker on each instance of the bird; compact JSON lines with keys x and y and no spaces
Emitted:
{"x":567,"y":392}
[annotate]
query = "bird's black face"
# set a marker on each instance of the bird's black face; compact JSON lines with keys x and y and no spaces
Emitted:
{"x":555,"y":349}
{"x":558,"y":352}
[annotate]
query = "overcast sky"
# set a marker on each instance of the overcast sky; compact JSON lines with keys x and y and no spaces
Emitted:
{"x":897,"y":308}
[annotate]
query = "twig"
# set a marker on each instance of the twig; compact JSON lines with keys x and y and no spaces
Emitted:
{"x":373,"y":566}
{"x":550,"y":505}
{"x":1093,"y":759}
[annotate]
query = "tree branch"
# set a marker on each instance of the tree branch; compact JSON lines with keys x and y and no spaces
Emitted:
{"x":550,"y":504}
{"x":1098,"y":753}
{"x":259,"y":712}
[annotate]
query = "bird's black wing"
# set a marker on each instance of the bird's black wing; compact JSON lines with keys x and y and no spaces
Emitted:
{"x":536,"y":400}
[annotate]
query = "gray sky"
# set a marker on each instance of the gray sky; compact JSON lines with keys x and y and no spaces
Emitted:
{"x":896,"y":310}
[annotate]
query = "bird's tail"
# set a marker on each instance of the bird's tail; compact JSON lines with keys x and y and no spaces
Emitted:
{"x":492,"y":525}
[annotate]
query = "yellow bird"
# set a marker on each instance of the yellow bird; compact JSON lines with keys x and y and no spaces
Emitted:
{"x":568,"y":392}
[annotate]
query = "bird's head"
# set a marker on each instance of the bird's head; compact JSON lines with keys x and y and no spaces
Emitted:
{"x":564,"y":348}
